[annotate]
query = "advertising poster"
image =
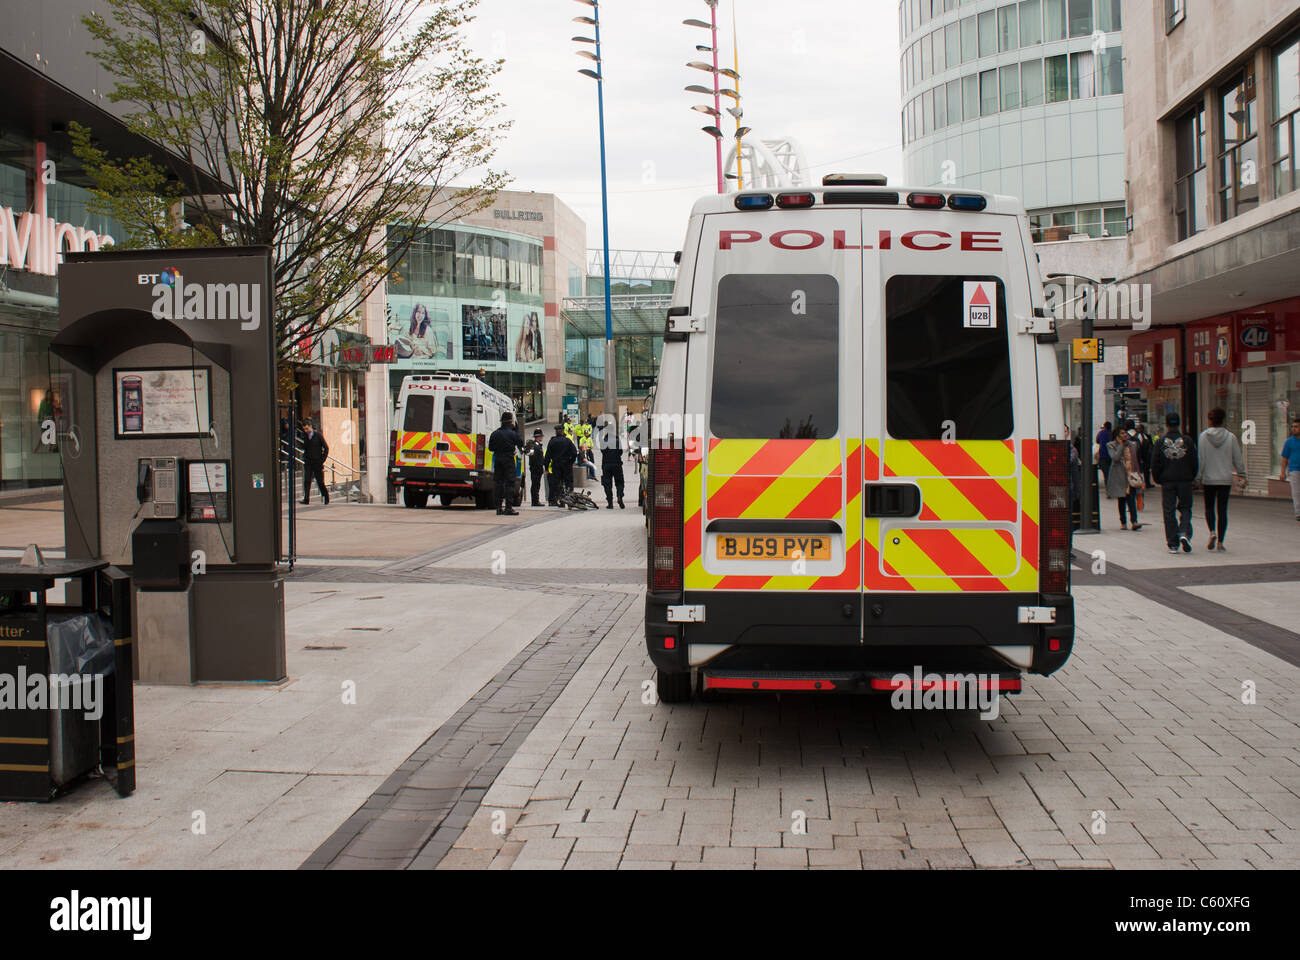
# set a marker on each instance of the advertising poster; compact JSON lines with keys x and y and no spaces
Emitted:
{"x":528,"y":344}
{"x":483,"y":333}
{"x":162,"y":402}
{"x":420,"y":330}
{"x":441,"y":333}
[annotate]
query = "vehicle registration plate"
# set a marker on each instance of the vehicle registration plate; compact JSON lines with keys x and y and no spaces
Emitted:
{"x":778,"y":547}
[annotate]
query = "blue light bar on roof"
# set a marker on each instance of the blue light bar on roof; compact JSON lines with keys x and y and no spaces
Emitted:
{"x":754,"y":201}
{"x":966,"y":201}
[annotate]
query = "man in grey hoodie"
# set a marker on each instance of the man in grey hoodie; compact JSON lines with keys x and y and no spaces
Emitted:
{"x":1219,"y":462}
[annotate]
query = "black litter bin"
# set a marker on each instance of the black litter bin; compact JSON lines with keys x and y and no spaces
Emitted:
{"x":66,"y":700}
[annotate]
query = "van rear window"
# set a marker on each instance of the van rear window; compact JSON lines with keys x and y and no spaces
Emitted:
{"x":944,"y":379}
{"x":776,"y":357}
{"x":419,"y":414}
{"x":456,"y":416}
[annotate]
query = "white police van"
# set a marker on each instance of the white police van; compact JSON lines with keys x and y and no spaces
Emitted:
{"x":859,"y":463}
{"x":439,"y":446}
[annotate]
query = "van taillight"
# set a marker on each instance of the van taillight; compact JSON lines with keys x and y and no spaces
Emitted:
{"x":1054,"y":516}
{"x":392,"y":446}
{"x":667,"y":462}
{"x":479,"y":445}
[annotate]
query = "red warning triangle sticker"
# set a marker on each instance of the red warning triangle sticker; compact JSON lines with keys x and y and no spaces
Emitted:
{"x":980,"y":299}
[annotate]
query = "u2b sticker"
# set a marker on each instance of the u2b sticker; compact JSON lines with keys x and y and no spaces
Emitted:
{"x":980,"y":301}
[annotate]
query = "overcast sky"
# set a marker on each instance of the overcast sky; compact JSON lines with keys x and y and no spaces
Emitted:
{"x":824,"y":72}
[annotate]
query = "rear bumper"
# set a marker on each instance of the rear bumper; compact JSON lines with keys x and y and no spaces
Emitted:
{"x":435,"y":479}
{"x":820,"y":631}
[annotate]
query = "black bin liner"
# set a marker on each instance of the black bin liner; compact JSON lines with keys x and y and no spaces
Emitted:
{"x":80,"y":643}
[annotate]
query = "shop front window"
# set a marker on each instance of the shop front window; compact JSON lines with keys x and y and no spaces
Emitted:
{"x":35,"y":406}
{"x":1284,"y":404}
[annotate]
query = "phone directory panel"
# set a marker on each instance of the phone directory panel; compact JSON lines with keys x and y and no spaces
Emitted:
{"x":208,"y":491}
{"x":163,"y":402}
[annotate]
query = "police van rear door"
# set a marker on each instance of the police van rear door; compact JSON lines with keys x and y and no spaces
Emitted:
{"x":455,"y":443}
{"x":773,"y":472}
{"x":415,"y":440}
{"x":949,"y":404}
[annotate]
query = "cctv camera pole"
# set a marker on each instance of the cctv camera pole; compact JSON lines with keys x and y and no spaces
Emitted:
{"x":1088,"y":470}
{"x":1085,"y":399}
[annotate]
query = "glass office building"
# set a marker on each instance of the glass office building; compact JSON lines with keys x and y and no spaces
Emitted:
{"x":1024,"y":99}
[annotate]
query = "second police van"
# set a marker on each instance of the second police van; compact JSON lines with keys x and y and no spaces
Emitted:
{"x":859,"y":465}
{"x":440,"y":445}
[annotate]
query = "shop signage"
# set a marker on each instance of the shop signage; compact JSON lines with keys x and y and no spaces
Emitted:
{"x":1209,"y":347}
{"x":1256,"y":336}
{"x":32,"y":241}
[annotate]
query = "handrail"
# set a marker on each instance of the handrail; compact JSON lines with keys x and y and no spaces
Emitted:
{"x":346,"y":468}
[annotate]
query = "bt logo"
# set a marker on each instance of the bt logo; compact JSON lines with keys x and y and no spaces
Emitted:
{"x":167,"y":276}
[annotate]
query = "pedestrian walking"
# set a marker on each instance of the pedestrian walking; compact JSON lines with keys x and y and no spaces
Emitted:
{"x":1219,"y":462}
{"x":1103,"y":454}
{"x":611,"y":467}
{"x":314,"y":452}
{"x":536,"y":454}
{"x":503,"y":443}
{"x":1145,"y":448}
{"x":1291,"y":464}
{"x":558,"y":460}
{"x":1173,"y":466}
{"x":1125,"y":479}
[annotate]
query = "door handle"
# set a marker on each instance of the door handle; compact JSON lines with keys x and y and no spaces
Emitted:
{"x":442,"y":445}
{"x":891,"y":500}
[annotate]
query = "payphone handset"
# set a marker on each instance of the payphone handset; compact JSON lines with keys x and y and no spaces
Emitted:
{"x":156,"y":487}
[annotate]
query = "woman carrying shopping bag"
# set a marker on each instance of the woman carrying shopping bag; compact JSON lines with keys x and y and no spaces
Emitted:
{"x":1125,"y":477}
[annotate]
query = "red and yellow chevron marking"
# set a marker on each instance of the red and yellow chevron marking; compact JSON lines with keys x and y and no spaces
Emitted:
{"x":968,"y":482}
{"x":776,"y":480}
{"x":414,"y":441}
{"x":773,"y":458}
{"x":460,"y":452}
{"x":917,"y":556}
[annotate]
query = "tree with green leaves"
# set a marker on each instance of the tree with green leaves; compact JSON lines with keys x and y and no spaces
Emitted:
{"x":325,"y":120}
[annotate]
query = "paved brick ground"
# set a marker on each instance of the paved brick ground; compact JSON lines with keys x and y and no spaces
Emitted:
{"x":1144,"y":733}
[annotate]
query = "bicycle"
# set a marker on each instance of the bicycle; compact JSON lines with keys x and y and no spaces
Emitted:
{"x":576,"y":500}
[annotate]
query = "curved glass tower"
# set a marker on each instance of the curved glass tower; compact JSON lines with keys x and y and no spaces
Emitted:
{"x":1021,"y":98}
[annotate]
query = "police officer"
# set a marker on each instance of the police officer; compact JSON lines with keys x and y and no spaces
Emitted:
{"x":536,"y":452}
{"x":504,"y":441}
{"x":560,"y":454}
{"x":611,"y":463}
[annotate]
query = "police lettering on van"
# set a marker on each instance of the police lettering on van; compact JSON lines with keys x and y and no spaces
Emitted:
{"x":858,"y":463}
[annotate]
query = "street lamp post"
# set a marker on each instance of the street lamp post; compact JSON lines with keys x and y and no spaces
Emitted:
{"x":611,"y":373}
{"x":715,"y":111}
